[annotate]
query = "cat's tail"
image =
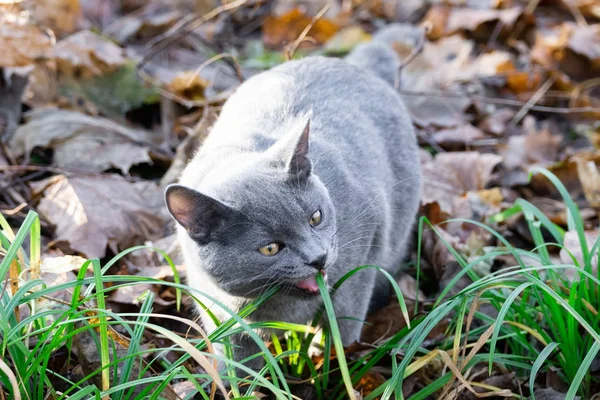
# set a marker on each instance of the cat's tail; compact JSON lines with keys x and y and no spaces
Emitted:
{"x":378,"y":55}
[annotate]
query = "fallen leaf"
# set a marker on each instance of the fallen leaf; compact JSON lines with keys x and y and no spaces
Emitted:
{"x":369,"y":382}
{"x":585,"y":40}
{"x":189,"y":85}
{"x":146,"y":258}
{"x":148,"y":22}
{"x":470,"y":19}
{"x":90,"y":212}
{"x":453,"y":174}
{"x":442,"y":67}
{"x":279,"y":31}
{"x":436,"y":18}
{"x":400,"y":11}
{"x":496,"y":123}
{"x":86,"y":54}
{"x":22,"y":44}
{"x":61,"y":264}
{"x":71,"y":135}
{"x":113,"y":93}
{"x":572,"y":252}
{"x":457,"y":137}
{"x":345,"y":40}
{"x":551,"y":394}
{"x":538,"y":147}
{"x":520,"y":81}
{"x":384,"y":322}
{"x":589,"y":176}
{"x":62,"y":16}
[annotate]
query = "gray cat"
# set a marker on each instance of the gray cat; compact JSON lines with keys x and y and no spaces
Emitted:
{"x":312,"y":167}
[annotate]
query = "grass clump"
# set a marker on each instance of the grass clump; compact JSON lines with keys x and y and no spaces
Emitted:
{"x":541,"y":319}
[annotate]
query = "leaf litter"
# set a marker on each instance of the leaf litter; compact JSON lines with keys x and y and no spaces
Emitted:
{"x":497,"y":89}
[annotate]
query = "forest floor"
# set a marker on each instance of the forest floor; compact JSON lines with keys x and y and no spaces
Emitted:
{"x":102,"y":103}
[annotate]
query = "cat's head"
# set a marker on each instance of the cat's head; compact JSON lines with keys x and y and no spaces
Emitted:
{"x":272,"y":223}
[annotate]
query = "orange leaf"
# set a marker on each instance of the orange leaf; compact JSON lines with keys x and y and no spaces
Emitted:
{"x":278,"y":31}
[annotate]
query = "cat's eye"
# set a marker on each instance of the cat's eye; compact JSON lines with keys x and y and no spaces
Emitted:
{"x":315,"y":219}
{"x":271,"y":249}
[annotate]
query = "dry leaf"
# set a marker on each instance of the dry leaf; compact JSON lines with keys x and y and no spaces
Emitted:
{"x":62,"y":16}
{"x":279,"y":31}
{"x":22,"y":43}
{"x":189,"y":85}
{"x":86,"y":54}
{"x":442,"y":66}
{"x":585,"y":40}
{"x":537,"y":148}
{"x":469,"y":19}
{"x":346,"y":39}
{"x":458,"y":137}
{"x":497,"y":122}
{"x":148,"y":22}
{"x":572,"y":248}
{"x":589,"y":176}
{"x":82,"y":142}
{"x":91,"y":212}
{"x":369,"y":382}
{"x":551,"y":394}
{"x":451,"y":175}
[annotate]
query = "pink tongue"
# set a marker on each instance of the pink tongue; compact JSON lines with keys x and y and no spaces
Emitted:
{"x":309,"y":284}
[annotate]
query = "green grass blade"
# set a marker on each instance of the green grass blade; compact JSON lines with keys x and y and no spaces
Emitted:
{"x":539,"y":361}
{"x":582,"y":371}
{"x":337,"y":339}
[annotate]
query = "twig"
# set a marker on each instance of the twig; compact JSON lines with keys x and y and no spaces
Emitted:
{"x":218,"y":57}
{"x":181,"y":29}
{"x":291,"y":49}
{"x":416,"y":51}
{"x":178,"y":31}
{"x":505,"y":102}
{"x":534,"y":99}
{"x":579,"y":18}
{"x":15,"y":210}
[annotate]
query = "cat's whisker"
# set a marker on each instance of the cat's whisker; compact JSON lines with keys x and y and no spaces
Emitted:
{"x":352,"y":241}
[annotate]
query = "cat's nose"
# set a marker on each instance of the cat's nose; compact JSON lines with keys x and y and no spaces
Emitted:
{"x":319,"y":262}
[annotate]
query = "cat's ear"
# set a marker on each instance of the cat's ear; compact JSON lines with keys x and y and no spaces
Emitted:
{"x":198,"y":213}
{"x":297,"y":164}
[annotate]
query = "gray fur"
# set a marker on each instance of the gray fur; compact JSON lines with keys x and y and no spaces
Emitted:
{"x":363,"y":174}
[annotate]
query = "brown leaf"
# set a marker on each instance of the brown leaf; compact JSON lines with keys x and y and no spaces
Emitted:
{"x":589,"y":176}
{"x":441,"y":66}
{"x":146,"y":23}
{"x":62,"y":16}
{"x":86,"y":54}
{"x":80,"y":141}
{"x":585,"y":40}
{"x":436,"y":18}
{"x":458,"y":137}
{"x":22,"y":44}
{"x":278,"y":31}
{"x":92,"y":211}
{"x":470,"y":19}
{"x":451,"y":175}
{"x":189,"y":85}
{"x":572,"y":248}
{"x":537,"y":148}
{"x":551,"y":394}
{"x":497,"y":122}
{"x":387,"y":321}
{"x":369,"y":382}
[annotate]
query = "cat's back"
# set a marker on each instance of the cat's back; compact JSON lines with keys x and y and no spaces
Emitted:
{"x":354,"y":113}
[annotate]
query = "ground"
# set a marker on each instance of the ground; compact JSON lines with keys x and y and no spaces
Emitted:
{"x":102,"y":103}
